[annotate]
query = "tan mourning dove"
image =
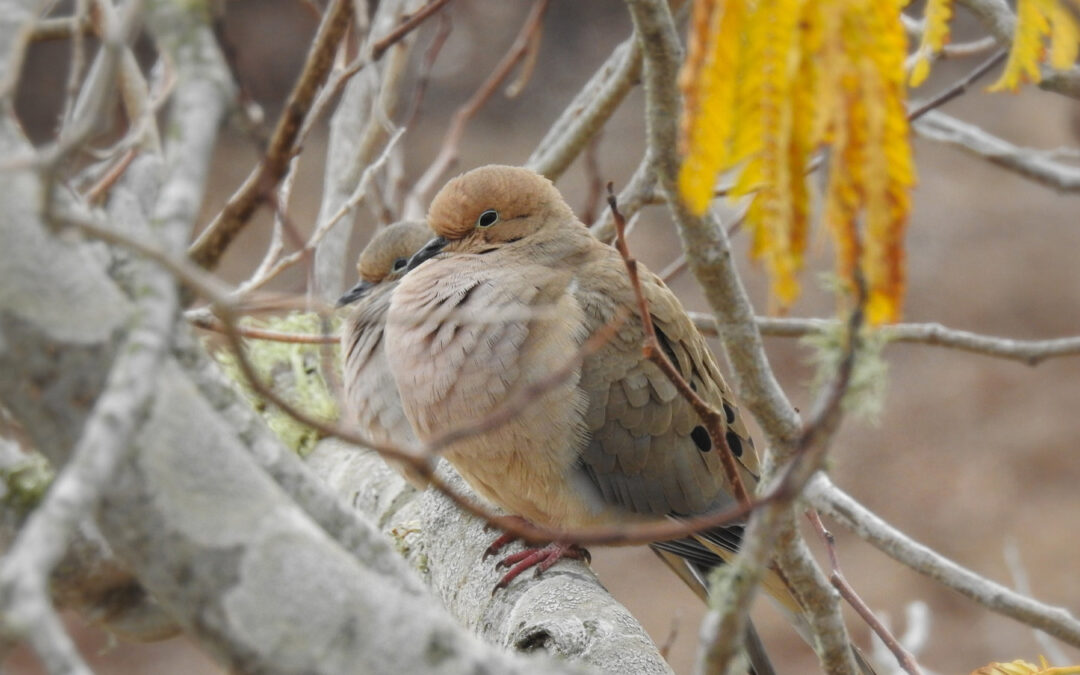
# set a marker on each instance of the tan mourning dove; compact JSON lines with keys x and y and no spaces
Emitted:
{"x":506,"y":295}
{"x":511,"y":288}
{"x":371,"y":398}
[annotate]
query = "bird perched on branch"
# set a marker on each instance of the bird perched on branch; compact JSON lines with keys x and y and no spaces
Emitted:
{"x":371,"y":398}
{"x":506,"y":294}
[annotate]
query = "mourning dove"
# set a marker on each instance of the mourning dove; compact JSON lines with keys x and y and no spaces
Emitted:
{"x":371,"y":398}
{"x":505,"y":295}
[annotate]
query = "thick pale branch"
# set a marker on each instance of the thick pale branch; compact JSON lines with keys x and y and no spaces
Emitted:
{"x":588,"y":112}
{"x":565,"y":611}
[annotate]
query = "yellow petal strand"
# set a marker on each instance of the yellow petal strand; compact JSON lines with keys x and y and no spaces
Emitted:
{"x":1027,"y":47}
{"x":1064,"y":36}
{"x":934,"y":38}
{"x":889,"y":166}
{"x":709,"y":131}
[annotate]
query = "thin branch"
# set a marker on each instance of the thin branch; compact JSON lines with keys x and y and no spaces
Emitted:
{"x":211,"y":244}
{"x":959,"y":88}
{"x":59,"y":28}
{"x":98,"y":190}
{"x":214,"y":324}
{"x":1032,"y":164}
{"x":448,"y":154}
{"x":1030,"y":352}
{"x":593,"y":180}
{"x":264,"y":275}
{"x":337,"y":84}
{"x":831,"y":501}
{"x":588,"y":112}
{"x":905,"y":658}
{"x":1020,"y":580}
{"x":408,"y":25}
{"x":634,"y":196}
{"x":650,"y":348}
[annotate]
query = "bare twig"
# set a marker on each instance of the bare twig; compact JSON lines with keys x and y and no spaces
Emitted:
{"x":264,"y":275}
{"x":959,"y":88}
{"x":60,"y":28}
{"x":408,"y":24}
{"x":77,"y":62}
{"x":1019,"y":574}
{"x":1031,"y":164}
{"x":588,"y":112}
{"x":448,"y":154}
{"x":831,"y":501}
{"x":218,"y":326}
{"x":211,"y":244}
{"x":905,"y":658}
{"x":1030,"y":352}
{"x":97,"y":192}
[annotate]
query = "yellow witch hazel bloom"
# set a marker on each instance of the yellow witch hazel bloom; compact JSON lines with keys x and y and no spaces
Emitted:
{"x":767,"y":83}
{"x":1025,"y":668}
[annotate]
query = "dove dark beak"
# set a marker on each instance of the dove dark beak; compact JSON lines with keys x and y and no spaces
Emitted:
{"x":430,"y":250}
{"x":355,"y":293}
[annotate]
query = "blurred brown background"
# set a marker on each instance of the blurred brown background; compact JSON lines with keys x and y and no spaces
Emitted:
{"x":971,"y":453}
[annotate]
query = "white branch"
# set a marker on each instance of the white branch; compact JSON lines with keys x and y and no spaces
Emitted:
{"x":1031,"y":352}
{"x":588,"y":112}
{"x":835,"y":503}
{"x":1030,"y":163}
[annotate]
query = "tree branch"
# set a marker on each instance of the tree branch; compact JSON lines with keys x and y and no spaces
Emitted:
{"x":589,"y":111}
{"x":211,"y":244}
{"x":835,"y":503}
{"x":1031,"y":164}
{"x":1031,"y":352}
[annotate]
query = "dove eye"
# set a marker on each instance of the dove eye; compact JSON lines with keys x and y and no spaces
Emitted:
{"x":399,"y":264}
{"x":487,"y":218}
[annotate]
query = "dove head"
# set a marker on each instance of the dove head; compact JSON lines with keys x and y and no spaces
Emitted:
{"x":386,"y":256}
{"x":493,"y":206}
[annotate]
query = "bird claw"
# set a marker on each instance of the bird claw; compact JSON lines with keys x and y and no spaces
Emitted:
{"x":542,"y":558}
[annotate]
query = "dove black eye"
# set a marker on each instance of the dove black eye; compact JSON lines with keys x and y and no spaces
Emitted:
{"x":400,"y":263}
{"x":487,"y":218}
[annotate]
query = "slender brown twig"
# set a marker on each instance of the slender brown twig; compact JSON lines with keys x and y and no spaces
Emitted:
{"x":218,"y":326}
{"x":836,"y":577}
{"x":959,"y":87}
{"x":97,"y":191}
{"x":211,"y":244}
{"x":337,"y":85}
{"x":710,"y":417}
{"x":408,"y":25}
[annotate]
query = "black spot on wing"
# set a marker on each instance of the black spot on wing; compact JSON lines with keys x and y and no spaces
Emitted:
{"x":734,"y":443}
{"x":701,"y":438}
{"x":729,"y":413}
{"x":665,"y":344}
